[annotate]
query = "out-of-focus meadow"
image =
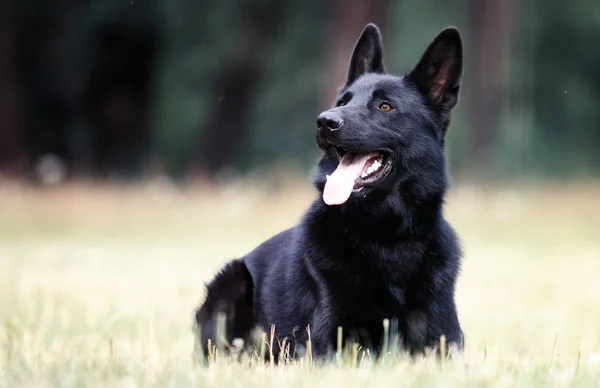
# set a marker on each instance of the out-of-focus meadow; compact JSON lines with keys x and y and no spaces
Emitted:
{"x":99,"y":285}
{"x":144,"y":143}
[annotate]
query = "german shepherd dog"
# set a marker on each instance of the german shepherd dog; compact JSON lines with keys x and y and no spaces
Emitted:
{"x":374,"y":244}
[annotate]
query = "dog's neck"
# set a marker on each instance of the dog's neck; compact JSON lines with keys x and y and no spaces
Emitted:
{"x":389,"y":221}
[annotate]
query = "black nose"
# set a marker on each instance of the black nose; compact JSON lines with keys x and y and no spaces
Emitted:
{"x":329,"y":121}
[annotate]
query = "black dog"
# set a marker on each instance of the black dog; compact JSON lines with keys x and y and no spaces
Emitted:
{"x":374,"y":245}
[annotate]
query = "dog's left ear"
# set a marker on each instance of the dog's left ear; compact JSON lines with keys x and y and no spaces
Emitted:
{"x":367,"y":56}
{"x":439,"y":71}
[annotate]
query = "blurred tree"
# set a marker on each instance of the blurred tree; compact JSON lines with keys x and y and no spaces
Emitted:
{"x":281,"y":123}
{"x":118,"y":94}
{"x":40,"y":54}
{"x":235,"y":86}
{"x":488,"y":57}
{"x":236,"y":92}
{"x":13,"y":154}
{"x":198,"y":86}
{"x":566,"y":89}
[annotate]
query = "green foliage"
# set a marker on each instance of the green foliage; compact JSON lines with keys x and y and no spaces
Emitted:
{"x":549,"y":123}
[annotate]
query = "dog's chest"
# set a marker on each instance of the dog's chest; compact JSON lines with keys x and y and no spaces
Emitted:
{"x":367,"y":295}
{"x":365,"y":284}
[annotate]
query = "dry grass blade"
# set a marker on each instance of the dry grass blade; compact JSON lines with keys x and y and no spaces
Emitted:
{"x":98,"y":287}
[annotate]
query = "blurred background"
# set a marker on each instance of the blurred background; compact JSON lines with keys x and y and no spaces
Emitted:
{"x":143,"y":143}
{"x":131,"y":89}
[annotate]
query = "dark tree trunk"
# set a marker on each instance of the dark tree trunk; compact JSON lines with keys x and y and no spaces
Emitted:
{"x":234,"y":88}
{"x":225,"y":129}
{"x":118,"y":97}
{"x":13,"y":155}
{"x":488,"y":55}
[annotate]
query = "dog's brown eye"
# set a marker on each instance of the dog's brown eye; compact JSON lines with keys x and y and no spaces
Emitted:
{"x":385,"y":107}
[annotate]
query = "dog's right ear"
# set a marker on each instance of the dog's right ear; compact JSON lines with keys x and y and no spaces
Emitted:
{"x":439,"y":71}
{"x":367,"y":56}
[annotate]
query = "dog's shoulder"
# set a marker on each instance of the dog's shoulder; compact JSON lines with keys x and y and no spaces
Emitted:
{"x":269,"y":253}
{"x":443,"y":254}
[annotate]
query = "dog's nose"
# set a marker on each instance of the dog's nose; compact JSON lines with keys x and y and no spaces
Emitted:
{"x":329,"y":121}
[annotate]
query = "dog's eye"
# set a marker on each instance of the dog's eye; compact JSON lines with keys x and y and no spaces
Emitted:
{"x":340,"y":103}
{"x":385,"y":107}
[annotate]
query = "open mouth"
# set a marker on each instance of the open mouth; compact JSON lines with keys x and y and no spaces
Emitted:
{"x":355,"y":171}
{"x":375,"y":167}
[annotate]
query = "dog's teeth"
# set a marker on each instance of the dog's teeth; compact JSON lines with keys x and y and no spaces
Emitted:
{"x":363,"y":175}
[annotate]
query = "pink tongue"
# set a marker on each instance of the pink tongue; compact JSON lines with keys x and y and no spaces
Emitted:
{"x":339,"y":185}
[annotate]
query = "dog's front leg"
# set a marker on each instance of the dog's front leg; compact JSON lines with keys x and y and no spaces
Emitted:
{"x":321,"y":336}
{"x":427,"y":326}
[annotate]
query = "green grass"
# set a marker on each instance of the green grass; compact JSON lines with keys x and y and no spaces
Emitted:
{"x":98,"y":286}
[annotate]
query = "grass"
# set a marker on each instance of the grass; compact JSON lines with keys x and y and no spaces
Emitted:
{"x":98,"y":286}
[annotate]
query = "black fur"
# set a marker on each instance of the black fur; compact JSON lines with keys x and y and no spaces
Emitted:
{"x":387,"y":252}
{"x":229,"y":294}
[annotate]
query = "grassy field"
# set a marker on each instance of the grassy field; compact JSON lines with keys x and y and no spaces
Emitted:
{"x":98,"y":286}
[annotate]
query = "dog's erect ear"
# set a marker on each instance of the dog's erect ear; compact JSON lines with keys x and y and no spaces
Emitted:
{"x":367,"y":56}
{"x":438,"y":72}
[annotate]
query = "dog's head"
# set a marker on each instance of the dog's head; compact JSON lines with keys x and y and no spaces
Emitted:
{"x":384,"y":129}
